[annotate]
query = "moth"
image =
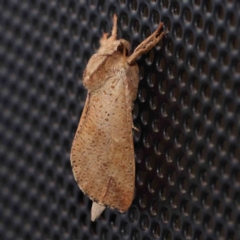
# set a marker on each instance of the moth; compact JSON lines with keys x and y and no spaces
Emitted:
{"x":102,"y":154}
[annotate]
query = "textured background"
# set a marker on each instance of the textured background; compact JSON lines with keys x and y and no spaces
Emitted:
{"x":187,"y":110}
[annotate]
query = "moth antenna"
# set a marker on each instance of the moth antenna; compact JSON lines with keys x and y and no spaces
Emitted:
{"x":114,"y":29}
{"x":96,"y":211}
{"x":147,"y":44}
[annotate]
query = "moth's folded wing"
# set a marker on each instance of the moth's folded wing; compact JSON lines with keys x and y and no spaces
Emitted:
{"x":102,"y":155}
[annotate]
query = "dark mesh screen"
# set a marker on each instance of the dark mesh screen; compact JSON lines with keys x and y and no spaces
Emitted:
{"x":187,"y":110}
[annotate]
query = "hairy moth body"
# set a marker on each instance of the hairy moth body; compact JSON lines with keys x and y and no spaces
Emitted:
{"x":102,"y":154}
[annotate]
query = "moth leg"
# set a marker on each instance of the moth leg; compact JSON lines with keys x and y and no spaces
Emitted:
{"x":147,"y":44}
{"x":135,"y":128}
{"x":114,"y":29}
{"x":96,"y":211}
{"x":103,"y":38}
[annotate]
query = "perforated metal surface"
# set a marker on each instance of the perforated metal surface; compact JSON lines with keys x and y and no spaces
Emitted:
{"x":187,"y":110}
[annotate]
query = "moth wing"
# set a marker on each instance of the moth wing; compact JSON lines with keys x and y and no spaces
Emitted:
{"x":102,"y":154}
{"x":83,"y":117}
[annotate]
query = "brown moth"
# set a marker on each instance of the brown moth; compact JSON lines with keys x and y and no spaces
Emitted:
{"x":102,"y":154}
